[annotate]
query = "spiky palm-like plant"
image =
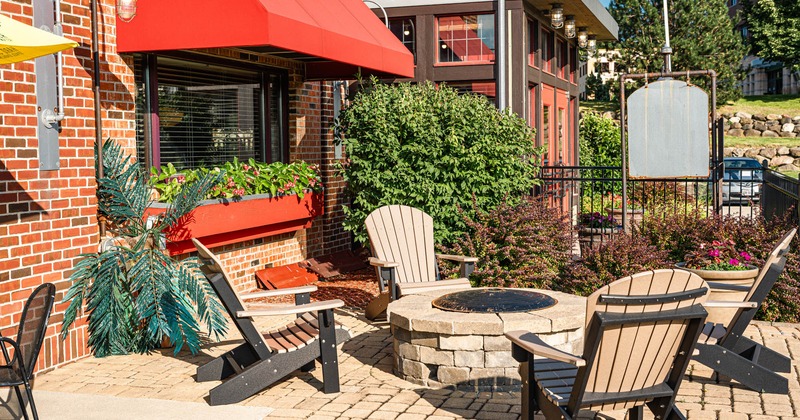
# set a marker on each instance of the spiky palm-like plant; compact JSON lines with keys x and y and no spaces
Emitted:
{"x":135,"y":294}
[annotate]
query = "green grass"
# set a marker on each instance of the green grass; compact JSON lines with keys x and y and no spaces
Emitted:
{"x":731,"y":141}
{"x":599,"y":106}
{"x":792,"y":174}
{"x":765,"y":104}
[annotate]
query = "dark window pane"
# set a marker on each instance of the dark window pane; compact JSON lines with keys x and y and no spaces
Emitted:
{"x":404,"y":30}
{"x":276,"y":115}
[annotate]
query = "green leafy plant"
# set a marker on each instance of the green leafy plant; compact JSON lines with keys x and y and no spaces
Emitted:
{"x":237,"y":179}
{"x":429,"y":147}
{"x":718,"y":256}
{"x":135,"y":294}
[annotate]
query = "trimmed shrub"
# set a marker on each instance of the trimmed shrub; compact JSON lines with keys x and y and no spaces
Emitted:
{"x":518,"y":245}
{"x":431,"y":148}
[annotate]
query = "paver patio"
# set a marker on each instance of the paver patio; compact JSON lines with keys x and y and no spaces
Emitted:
{"x":370,"y":390}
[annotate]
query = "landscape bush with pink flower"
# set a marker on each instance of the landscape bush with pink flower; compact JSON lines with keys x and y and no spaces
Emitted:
{"x":719,"y":256}
{"x":239,"y":179}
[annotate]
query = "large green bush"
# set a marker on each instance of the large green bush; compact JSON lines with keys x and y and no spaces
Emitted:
{"x":431,"y":148}
{"x":599,"y":141}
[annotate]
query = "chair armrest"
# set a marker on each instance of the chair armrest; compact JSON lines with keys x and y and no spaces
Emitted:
{"x":531,"y":343}
{"x":457,"y":258}
{"x":279,"y":292}
{"x":715,"y":285}
{"x":383,"y":264}
{"x":13,"y":344}
{"x":291,"y":309}
{"x":727,"y":304}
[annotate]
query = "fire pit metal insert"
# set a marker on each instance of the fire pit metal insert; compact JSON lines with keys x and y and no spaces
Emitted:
{"x":493,"y":300}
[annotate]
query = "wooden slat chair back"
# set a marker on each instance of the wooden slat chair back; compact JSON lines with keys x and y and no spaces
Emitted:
{"x":266,"y":357}
{"x":221,"y":284}
{"x":639,"y":355}
{"x":401,"y":240}
{"x":641,"y":331}
{"x":725,"y":348}
{"x":404,"y":235}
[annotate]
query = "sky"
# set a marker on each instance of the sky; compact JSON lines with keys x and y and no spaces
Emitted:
{"x":605,"y":2}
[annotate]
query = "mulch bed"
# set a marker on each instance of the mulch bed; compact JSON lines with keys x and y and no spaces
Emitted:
{"x":356,"y":289}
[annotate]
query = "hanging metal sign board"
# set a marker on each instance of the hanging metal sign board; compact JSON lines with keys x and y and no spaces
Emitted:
{"x":668,"y":134}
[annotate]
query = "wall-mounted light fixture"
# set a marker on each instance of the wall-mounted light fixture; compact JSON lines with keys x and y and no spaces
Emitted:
{"x":556,"y":15}
{"x":126,"y":10}
{"x":583,"y":37}
{"x":591,"y":44}
{"x":569,"y":26}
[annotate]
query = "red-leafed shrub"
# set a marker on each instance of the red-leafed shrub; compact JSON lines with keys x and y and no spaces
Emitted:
{"x":521,"y":245}
{"x":622,"y":256}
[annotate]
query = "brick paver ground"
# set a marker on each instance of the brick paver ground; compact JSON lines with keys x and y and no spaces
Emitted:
{"x":370,"y":391}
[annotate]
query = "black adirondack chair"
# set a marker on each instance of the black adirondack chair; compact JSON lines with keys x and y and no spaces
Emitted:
{"x":725,"y":349}
{"x":641,"y":331}
{"x":18,"y":368}
{"x":266,"y":357}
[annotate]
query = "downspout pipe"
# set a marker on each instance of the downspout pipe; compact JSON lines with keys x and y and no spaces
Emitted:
{"x":502,"y":102}
{"x":98,"y":122}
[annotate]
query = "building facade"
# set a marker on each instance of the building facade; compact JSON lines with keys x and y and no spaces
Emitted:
{"x":763,"y":77}
{"x":174,"y":90}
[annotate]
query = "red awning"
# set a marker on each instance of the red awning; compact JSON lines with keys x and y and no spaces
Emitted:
{"x":334,"y":37}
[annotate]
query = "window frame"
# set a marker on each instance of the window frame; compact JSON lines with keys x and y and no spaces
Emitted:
{"x":151,"y":129}
{"x":546,"y":38}
{"x":413,"y":35}
{"x":437,"y":54}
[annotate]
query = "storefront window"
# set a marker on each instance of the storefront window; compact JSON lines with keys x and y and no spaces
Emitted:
{"x":546,"y":48}
{"x":405,"y":31}
{"x":533,"y":42}
{"x":194,"y":114}
{"x":466,"y":38}
{"x":486,"y":89}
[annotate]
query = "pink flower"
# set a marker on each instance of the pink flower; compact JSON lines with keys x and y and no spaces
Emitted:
{"x":238,"y":191}
{"x":713,"y":253}
{"x":255,"y":173}
{"x":246,"y":167}
{"x":733,"y":261}
{"x":745,"y":255}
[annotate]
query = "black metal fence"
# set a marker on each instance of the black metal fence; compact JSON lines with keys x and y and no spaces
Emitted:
{"x":593,"y":197}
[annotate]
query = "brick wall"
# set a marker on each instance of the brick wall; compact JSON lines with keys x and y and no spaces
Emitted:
{"x":48,"y":218}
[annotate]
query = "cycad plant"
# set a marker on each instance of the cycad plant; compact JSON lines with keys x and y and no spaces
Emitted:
{"x":137,"y":295}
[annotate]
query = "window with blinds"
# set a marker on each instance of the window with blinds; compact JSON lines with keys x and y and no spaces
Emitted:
{"x":206,"y":114}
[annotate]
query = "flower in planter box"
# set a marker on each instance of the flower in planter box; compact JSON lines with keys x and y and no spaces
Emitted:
{"x":239,"y":179}
{"x":597,"y":220}
{"x":719,"y":256}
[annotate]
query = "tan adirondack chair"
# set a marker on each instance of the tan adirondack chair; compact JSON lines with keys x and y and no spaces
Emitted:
{"x":724,"y":348}
{"x":266,"y":357}
{"x":401,"y":239}
{"x":641,"y":331}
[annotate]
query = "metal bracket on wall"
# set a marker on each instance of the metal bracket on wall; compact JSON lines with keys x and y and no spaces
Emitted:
{"x":46,"y":88}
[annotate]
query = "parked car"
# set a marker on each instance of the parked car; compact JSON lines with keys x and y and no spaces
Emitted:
{"x":742,"y":180}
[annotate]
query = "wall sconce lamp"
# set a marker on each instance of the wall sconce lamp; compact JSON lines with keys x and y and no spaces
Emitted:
{"x":556,"y":15}
{"x":569,"y":27}
{"x":591,"y":44}
{"x":583,"y":37}
{"x":126,"y":10}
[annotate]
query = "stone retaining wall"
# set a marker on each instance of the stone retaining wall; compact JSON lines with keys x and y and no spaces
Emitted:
{"x":782,"y":158}
{"x":742,"y":124}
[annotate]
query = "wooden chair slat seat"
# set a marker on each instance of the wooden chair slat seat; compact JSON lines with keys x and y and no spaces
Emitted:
{"x":726,"y":350}
{"x":402,"y":245}
{"x":266,"y":357}
{"x":640,"y":333}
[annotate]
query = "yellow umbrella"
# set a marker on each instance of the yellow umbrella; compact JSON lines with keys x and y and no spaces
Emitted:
{"x":20,"y":42}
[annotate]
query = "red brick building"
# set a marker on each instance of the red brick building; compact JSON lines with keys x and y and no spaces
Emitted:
{"x":179,"y":84}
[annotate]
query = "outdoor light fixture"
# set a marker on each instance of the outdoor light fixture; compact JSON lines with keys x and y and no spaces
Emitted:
{"x":583,"y":37}
{"x":591,"y":44}
{"x":126,"y":10}
{"x":569,"y":26}
{"x":556,"y":15}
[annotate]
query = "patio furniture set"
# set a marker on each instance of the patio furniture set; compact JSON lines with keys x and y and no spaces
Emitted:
{"x":637,"y":336}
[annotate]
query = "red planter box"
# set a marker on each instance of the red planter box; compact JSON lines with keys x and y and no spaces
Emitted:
{"x":253,"y":217}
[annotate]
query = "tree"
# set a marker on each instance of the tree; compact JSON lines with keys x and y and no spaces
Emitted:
{"x":596,"y":88}
{"x":774,"y":29}
{"x":701,"y":36}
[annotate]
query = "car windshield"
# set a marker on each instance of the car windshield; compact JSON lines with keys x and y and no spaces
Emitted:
{"x":742,"y":164}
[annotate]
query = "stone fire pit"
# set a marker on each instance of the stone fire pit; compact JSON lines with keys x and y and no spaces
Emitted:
{"x":468,"y":351}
